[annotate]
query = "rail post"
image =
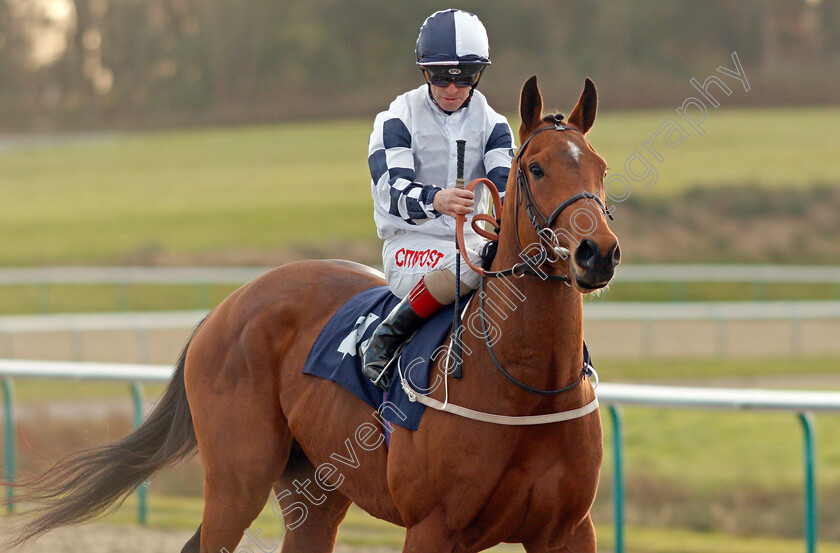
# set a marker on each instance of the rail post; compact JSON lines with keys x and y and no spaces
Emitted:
{"x":143,"y":490}
{"x":11,"y":449}
{"x":618,"y":478}
{"x":810,"y":483}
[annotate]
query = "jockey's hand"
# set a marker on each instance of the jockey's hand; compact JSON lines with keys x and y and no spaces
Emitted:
{"x":454,"y":201}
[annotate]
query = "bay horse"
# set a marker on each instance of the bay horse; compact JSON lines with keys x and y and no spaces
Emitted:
{"x":455,"y":484}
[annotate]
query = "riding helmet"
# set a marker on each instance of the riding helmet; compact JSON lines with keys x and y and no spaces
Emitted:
{"x":452,"y":37}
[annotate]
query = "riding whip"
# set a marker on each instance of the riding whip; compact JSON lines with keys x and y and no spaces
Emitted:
{"x":456,"y":323}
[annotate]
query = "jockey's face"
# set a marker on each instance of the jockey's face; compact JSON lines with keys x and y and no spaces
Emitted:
{"x":450,"y":97}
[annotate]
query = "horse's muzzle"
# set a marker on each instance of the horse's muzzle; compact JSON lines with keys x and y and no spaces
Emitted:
{"x":594,"y":266}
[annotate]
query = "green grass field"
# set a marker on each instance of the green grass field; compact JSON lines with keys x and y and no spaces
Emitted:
{"x":126,"y":197}
{"x":773,"y":147}
{"x":67,"y":298}
{"x":37,"y":391}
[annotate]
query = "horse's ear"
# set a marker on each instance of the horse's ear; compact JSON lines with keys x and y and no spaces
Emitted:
{"x":530,"y":106}
{"x":583,"y":116}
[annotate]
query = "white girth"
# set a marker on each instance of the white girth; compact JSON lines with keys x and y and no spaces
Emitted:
{"x":413,"y":395}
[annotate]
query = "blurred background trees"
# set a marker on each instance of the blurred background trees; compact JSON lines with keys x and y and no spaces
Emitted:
{"x":128,"y":63}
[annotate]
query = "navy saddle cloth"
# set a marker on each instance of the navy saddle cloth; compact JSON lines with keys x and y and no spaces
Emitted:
{"x":335,"y":353}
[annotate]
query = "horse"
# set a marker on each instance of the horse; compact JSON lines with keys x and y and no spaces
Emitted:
{"x":265,"y":430}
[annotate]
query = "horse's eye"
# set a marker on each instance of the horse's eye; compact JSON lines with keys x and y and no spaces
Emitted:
{"x":536,"y":170}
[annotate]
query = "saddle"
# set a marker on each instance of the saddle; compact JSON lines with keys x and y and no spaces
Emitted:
{"x":335,"y":354}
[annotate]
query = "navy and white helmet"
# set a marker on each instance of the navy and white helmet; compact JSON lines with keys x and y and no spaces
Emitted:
{"x":453,"y":37}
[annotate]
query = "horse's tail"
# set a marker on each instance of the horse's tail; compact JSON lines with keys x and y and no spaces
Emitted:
{"x":95,"y":481}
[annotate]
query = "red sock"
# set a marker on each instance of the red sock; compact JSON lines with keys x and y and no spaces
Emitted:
{"x":422,"y":301}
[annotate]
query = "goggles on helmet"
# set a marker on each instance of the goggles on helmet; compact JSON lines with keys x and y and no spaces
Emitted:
{"x":462,"y":75}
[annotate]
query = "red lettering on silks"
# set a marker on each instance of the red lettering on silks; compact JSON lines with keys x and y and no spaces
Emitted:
{"x":413,"y":258}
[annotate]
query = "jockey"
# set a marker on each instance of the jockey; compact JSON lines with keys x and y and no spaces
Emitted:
{"x":412,"y":159}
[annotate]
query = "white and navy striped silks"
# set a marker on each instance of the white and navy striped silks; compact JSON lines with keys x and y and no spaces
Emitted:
{"x":412,"y":156}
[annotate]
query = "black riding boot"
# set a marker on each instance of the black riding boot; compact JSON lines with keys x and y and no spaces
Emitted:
{"x":408,"y":316}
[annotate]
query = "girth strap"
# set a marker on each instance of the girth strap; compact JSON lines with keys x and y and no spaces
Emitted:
{"x":499,"y":419}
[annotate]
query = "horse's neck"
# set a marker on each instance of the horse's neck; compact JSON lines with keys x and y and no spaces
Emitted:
{"x":537,"y":330}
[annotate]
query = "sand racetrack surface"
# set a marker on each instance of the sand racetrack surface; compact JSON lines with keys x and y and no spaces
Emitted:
{"x":102,"y":537}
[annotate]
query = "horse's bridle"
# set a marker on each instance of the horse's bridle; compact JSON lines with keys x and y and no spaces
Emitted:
{"x":541,"y":225}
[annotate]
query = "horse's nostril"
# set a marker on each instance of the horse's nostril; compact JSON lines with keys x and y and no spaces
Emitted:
{"x":586,"y":252}
{"x":616,"y":255}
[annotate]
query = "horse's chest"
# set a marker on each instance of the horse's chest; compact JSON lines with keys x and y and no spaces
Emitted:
{"x":549,"y":479}
{"x":544,"y":486}
{"x":498,"y":484}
